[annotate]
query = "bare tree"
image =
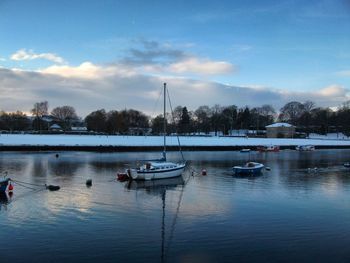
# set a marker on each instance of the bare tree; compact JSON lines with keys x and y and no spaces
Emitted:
{"x":291,"y":112}
{"x":66,"y":114}
{"x":176,"y":115}
{"x":202,"y":117}
{"x":309,"y":106}
{"x":267,"y":110}
{"x":345,"y":105}
{"x":39,"y":110}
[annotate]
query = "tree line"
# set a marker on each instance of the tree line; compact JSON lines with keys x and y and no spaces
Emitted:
{"x":218,"y":119}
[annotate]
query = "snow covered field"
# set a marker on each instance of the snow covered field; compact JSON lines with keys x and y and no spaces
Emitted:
{"x":151,"y":141}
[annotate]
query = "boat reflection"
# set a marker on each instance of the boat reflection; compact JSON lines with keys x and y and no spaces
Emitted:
{"x":159,"y":187}
{"x":4,"y":200}
{"x":155,"y":186}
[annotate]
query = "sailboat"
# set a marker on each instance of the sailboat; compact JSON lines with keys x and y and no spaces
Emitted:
{"x":161,"y":168}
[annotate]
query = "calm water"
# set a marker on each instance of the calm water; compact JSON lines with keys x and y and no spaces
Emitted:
{"x":288,"y":214}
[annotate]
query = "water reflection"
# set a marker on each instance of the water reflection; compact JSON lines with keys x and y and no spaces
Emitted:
{"x":314,"y":178}
{"x":160,"y":187}
{"x":4,"y":200}
{"x":100,"y":166}
{"x":218,"y":216}
{"x":155,"y":186}
{"x":39,"y":168}
{"x":12,"y":163}
{"x":63,"y":166}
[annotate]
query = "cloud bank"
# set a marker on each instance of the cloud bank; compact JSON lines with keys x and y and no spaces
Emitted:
{"x":89,"y":87}
{"x":136,"y":80}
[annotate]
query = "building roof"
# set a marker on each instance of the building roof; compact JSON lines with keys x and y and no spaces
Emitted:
{"x":279,"y":124}
{"x":55,"y":126}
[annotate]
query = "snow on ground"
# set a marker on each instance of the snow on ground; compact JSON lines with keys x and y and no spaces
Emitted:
{"x":336,"y":136}
{"x":99,"y":140}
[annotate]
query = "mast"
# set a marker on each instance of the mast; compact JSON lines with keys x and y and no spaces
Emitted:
{"x":164,"y":125}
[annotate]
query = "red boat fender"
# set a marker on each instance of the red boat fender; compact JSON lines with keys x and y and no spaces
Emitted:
{"x":10,"y":187}
{"x":122,"y":176}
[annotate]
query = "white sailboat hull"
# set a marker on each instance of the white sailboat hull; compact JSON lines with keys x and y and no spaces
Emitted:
{"x":137,"y":174}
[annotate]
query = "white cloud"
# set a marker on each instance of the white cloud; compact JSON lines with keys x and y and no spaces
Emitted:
{"x":333,"y":91}
{"x":88,"y":70}
{"x":2,"y":59}
{"x":24,"y":54}
{"x":201,"y":66}
{"x":191,"y":66}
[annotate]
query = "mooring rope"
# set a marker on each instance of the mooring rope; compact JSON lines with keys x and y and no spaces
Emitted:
{"x":22,"y":182}
{"x":193,"y":171}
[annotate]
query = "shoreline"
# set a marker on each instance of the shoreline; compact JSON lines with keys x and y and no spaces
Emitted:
{"x":25,"y":142}
{"x":110,"y":148}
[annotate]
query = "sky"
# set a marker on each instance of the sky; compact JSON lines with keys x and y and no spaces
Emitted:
{"x":117,"y":54}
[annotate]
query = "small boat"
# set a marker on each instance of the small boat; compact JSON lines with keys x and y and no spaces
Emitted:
{"x":250,"y":168}
{"x":157,"y":170}
{"x":161,"y":168}
{"x":268,"y":148}
{"x":245,"y":150}
{"x":305,"y":148}
{"x":3,"y":184}
{"x":347,"y":165}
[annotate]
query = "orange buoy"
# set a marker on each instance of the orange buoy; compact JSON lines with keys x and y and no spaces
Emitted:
{"x":204,"y":172}
{"x":10,"y":187}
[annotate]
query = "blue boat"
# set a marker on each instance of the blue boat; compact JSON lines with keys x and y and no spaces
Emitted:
{"x":250,"y":168}
{"x":3,"y":184}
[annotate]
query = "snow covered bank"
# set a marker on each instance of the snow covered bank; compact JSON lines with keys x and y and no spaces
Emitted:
{"x":328,"y":136}
{"x":156,"y":141}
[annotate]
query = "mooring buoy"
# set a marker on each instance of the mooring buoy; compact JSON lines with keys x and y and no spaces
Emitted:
{"x":52,"y":187}
{"x":89,"y":182}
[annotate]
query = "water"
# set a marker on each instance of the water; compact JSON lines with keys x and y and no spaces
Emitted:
{"x":288,"y":214}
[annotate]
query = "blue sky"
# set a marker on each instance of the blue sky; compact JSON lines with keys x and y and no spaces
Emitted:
{"x":83,"y":53}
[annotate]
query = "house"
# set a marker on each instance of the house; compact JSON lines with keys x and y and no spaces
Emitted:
{"x":55,"y":127}
{"x":280,"y":130}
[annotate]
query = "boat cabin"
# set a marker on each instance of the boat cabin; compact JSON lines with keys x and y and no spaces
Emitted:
{"x":157,"y":166}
